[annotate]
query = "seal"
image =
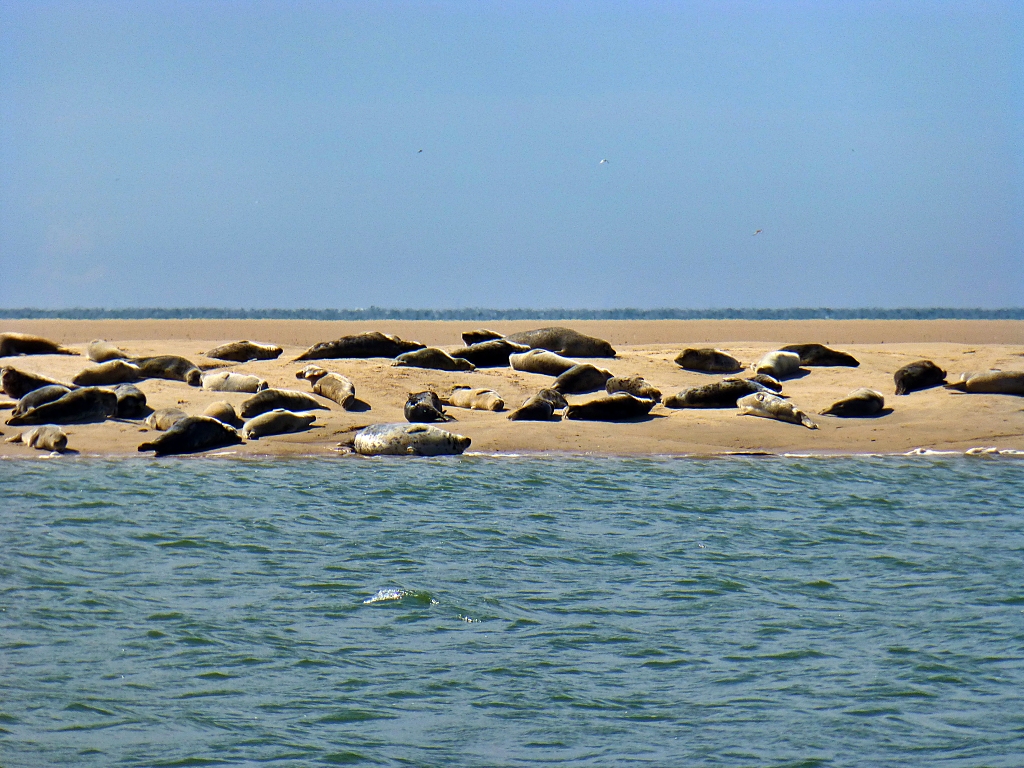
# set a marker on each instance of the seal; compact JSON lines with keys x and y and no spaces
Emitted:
{"x":45,"y":438}
{"x":860,"y":403}
{"x":287,"y":399}
{"x":131,"y":402}
{"x":18,"y":384}
{"x":541,"y":361}
{"x":922,"y":374}
{"x":276,"y":422}
{"x":424,"y":408}
{"x":779,"y":365}
{"x":721,"y":394}
{"x":769,"y":406}
{"x":224,"y":412}
{"x":434,"y":358}
{"x":634,"y":385}
{"x":990,"y":383}
{"x":244,"y":351}
{"x":171,"y":367}
{"x":540,"y":407}
{"x":474,"y":399}
{"x":708,"y":360}
{"x":193,"y":434}
{"x":226,"y":381}
{"x":100,"y":351}
{"x":564,"y":341}
{"x":489,"y":354}
{"x":767,"y":381}
{"x":370,"y":344}
{"x":820,"y":355}
{"x":78,"y":405}
{"x":621,"y":406}
{"x":110,"y":372}
{"x":408,"y":440}
{"x":581,"y":379}
{"x":13,"y":344}
{"x":165,"y":418}
{"x":333,"y":386}
{"x":475,"y":337}
{"x":39,"y":396}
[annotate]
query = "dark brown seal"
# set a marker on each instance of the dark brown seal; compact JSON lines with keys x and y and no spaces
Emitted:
{"x":922,"y":374}
{"x":361,"y":345}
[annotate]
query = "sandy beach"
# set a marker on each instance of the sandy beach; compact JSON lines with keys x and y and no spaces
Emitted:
{"x":935,"y":419}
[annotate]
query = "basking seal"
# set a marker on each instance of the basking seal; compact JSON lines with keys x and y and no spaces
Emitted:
{"x":333,"y":386}
{"x":581,"y":379}
{"x":540,"y":407}
{"x":424,"y":408}
{"x":223,"y":412}
{"x":769,"y":406}
{"x":475,"y":337}
{"x":708,"y":360}
{"x":286,"y":399}
{"x":779,"y":365}
{"x":192,"y":435}
{"x":922,"y":374}
{"x":110,"y":372}
{"x":564,"y":341}
{"x":621,"y":406}
{"x":858,"y":404}
{"x":165,"y":418}
{"x":12,"y":344}
{"x":78,"y":405}
{"x":40,"y":396}
{"x":721,"y":394}
{"x":170,"y":367}
{"x":408,"y":440}
{"x":45,"y":438}
{"x":131,"y":402}
{"x":634,"y":385}
{"x":820,"y":355}
{"x":100,"y":351}
{"x":434,"y":358}
{"x":767,"y":381}
{"x":18,"y":384}
{"x":276,"y":422}
{"x":991,"y":383}
{"x":244,"y":351}
{"x":489,"y":354}
{"x":227,"y":381}
{"x":541,"y":361}
{"x":475,"y":399}
{"x":370,"y":344}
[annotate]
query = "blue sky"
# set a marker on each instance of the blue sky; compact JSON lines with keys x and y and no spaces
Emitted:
{"x":267,"y":154}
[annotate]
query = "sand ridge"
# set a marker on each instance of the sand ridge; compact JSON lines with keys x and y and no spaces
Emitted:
{"x":936,"y":419}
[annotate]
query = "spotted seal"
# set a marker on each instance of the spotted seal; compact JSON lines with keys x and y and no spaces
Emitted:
{"x":921,"y":374}
{"x":708,"y":360}
{"x":244,"y":351}
{"x":720,"y":394}
{"x":193,"y":434}
{"x":408,"y":440}
{"x":769,"y":406}
{"x":634,"y":385}
{"x":13,"y":344}
{"x":360,"y":345}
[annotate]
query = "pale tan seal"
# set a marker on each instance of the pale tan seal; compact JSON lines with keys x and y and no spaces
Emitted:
{"x":990,"y":383}
{"x":708,"y":360}
{"x":778,"y":364}
{"x":228,"y":381}
{"x":581,"y":379}
{"x":541,"y":361}
{"x":110,"y":372}
{"x":769,"y":406}
{"x":634,"y":385}
{"x":224,"y":412}
{"x":860,"y":403}
{"x":478,"y":399}
{"x":276,"y":422}
{"x":44,"y":438}
{"x":331,"y":385}
{"x":100,"y":351}
{"x":165,"y":418}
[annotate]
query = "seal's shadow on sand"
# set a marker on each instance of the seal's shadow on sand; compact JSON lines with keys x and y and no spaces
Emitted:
{"x":358,"y":406}
{"x":880,"y":414}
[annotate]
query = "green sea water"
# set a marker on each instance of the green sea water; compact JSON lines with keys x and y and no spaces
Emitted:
{"x":512,"y":612}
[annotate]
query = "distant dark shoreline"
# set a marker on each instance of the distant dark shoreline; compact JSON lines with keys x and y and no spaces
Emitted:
{"x":476,"y":314}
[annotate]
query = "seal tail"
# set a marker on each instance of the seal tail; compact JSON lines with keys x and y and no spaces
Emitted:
{"x":806,"y":421}
{"x":959,"y":386}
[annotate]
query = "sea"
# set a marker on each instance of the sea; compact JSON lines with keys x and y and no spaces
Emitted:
{"x":512,"y":611}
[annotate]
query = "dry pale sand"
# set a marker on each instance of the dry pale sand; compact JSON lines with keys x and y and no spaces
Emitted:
{"x":935,"y":419}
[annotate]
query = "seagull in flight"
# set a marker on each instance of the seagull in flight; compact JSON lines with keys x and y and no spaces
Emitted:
{"x":758,"y":232}
{"x":603,"y":162}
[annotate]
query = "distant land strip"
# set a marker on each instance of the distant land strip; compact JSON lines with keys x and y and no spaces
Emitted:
{"x":478,"y":314}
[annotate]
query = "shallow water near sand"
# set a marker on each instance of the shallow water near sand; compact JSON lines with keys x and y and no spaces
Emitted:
{"x":514,"y":611}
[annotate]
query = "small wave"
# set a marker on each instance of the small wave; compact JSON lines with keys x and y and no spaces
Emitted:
{"x":393,"y":595}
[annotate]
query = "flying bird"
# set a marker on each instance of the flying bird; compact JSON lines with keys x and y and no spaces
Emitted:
{"x":603,"y":162}
{"x":758,"y":232}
